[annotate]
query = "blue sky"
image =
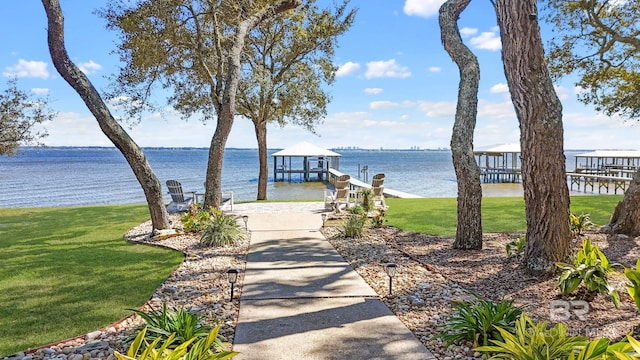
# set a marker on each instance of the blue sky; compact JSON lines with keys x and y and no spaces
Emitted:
{"x":396,"y":87}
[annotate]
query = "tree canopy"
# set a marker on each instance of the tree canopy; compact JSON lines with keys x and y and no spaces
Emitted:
{"x":287,"y":62}
{"x":599,"y":40}
{"x":192,"y":48}
{"x":20,"y":114}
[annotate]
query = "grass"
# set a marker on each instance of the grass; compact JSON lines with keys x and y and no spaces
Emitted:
{"x":68,"y":271}
{"x":437,"y":216}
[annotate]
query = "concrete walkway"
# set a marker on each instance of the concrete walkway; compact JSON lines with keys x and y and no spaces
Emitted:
{"x":301,"y":300}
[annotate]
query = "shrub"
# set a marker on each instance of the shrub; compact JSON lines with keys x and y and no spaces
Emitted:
{"x":353,"y":227}
{"x":367,"y":199}
{"x":590,"y":268}
{"x":223,"y":230}
{"x":476,"y":321}
{"x":357,"y":210}
{"x":379,"y":219}
{"x":516,"y":247}
{"x":207,"y":348}
{"x":533,"y":341}
{"x":633,"y":275}
{"x":580,"y":223}
{"x":183,"y":324}
{"x":195,"y":220}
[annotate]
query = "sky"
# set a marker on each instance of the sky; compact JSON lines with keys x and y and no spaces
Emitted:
{"x":396,"y":87}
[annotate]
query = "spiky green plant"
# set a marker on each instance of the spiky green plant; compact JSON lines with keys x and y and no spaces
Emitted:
{"x":182,"y":323}
{"x":224,"y":230}
{"x":354,"y":226}
{"x":476,"y":320}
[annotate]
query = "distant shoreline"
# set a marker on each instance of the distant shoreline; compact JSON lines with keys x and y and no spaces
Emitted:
{"x":342,"y":149}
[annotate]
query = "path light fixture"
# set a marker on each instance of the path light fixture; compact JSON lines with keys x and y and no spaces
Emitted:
{"x":391,"y":269}
{"x":245,"y":218}
{"x":232,"y":276}
{"x":324,"y":218}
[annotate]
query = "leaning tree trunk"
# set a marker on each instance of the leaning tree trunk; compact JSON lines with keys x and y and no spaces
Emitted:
{"x":626,"y":216}
{"x":539,"y":112}
{"x":469,"y":229}
{"x":118,"y":136}
{"x":261,"y":135}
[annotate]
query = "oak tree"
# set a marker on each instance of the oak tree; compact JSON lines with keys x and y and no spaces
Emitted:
{"x":469,"y":225}
{"x":288,"y":62}
{"x":539,"y":113}
{"x":108,"y":124}
{"x":20,"y":115}
{"x":193,"y":49}
{"x":599,"y":41}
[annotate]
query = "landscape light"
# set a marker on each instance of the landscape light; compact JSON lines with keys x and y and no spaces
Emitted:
{"x":324,"y":218}
{"x":245,"y":218}
{"x":232,"y":276}
{"x":391,"y":269}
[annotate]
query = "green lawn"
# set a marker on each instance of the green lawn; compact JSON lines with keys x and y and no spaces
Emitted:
{"x":437,"y":216}
{"x":68,"y":271}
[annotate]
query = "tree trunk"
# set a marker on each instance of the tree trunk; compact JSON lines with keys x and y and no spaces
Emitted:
{"x":539,"y":112}
{"x":263,"y":176}
{"x":469,"y":228}
{"x":626,"y":216}
{"x":118,"y":136}
{"x":226,"y":108}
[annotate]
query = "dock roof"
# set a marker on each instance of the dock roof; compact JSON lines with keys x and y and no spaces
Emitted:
{"x":497,"y":149}
{"x":305,"y":149}
{"x":611,"y":154}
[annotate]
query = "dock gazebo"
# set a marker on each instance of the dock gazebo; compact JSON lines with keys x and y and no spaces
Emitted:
{"x":304,"y":159}
{"x":499,"y":163}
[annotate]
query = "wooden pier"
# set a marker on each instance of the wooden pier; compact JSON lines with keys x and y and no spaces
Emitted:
{"x":606,"y":168}
{"x":604,"y":182}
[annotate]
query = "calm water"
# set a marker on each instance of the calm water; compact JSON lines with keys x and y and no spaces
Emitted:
{"x":44,"y":177}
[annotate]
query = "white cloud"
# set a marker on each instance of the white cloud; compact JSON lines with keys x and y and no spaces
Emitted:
{"x":467,"y":31}
{"x":373,"y":91}
{"x":348,"y":68}
{"x":499,"y":88}
{"x":578,"y":89}
{"x":488,"y":40}
{"x":437,"y":109}
{"x":24,"y":68}
{"x":435,"y":69}
{"x":422,"y":8}
{"x":562,"y":92}
{"x":389,"y":69}
{"x":494,"y":110}
{"x":378,"y":105}
{"x":89,"y":67}
{"x":40,"y":91}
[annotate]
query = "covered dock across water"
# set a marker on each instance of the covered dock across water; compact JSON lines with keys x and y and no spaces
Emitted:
{"x":604,"y":168}
{"x":309,"y":161}
{"x":499,"y":163}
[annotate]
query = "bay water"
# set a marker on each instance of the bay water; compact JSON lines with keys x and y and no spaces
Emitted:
{"x":69,"y":176}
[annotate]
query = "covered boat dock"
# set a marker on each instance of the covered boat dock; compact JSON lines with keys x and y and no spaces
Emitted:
{"x":309,"y":161}
{"x":499,"y":163}
{"x":605,"y":168}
